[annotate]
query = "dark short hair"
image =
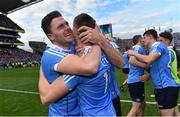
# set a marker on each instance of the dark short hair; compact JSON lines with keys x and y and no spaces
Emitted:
{"x":166,"y":35}
{"x":84,"y":19}
{"x":127,"y":48}
{"x":151,"y":32}
{"x":46,"y":21}
{"x":136,"y":39}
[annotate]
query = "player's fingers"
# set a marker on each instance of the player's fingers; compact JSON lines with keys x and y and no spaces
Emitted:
{"x":83,"y":28}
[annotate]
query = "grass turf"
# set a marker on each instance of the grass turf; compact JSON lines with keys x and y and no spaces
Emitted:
{"x":26,"y":79}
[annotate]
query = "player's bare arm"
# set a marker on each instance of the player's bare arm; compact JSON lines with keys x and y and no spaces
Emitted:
{"x":148,"y":59}
{"x":96,"y":37}
{"x":51,"y":92}
{"x":86,"y":65}
{"x":135,"y":62}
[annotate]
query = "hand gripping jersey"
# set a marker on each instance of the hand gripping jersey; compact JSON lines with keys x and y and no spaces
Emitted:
{"x":68,"y":105}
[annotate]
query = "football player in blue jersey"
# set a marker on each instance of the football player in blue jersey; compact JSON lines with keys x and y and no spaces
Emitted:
{"x":113,"y":84}
{"x":135,"y":85}
{"x":166,"y":38}
{"x":60,"y":34}
{"x":115,"y":60}
{"x":70,"y":79}
{"x":125,"y":69}
{"x":165,"y":87}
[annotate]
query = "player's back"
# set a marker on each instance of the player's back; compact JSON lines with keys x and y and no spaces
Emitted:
{"x":94,"y":93}
{"x":126,"y":60}
{"x":135,"y":72}
{"x":68,"y":105}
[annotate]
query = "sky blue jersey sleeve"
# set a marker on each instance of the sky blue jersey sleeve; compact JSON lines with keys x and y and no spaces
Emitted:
{"x":158,"y":49}
{"x":71,"y":81}
{"x":113,"y":45}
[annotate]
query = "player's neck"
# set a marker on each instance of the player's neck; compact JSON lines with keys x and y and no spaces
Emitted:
{"x":151,"y":43}
{"x":63,"y":46}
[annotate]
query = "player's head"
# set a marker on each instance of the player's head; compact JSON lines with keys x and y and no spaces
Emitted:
{"x":82,"y":19}
{"x":166,"y":38}
{"x":127,"y":48}
{"x":57,"y":29}
{"x":137,"y":39}
{"x":150,"y":36}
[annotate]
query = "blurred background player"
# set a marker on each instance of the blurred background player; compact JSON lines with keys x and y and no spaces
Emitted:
{"x":135,"y":85}
{"x":125,"y":69}
{"x":166,"y":38}
{"x":165,"y":87}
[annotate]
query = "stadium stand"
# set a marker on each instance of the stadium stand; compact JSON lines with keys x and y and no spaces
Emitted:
{"x":37,"y":46}
{"x":9,"y":6}
{"x":122,"y":43}
{"x":11,"y":55}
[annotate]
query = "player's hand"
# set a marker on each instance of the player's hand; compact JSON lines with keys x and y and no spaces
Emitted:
{"x":90,"y":35}
{"x":131,"y":52}
{"x":145,"y":78}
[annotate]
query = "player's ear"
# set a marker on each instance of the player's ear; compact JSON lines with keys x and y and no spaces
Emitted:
{"x":51,"y":37}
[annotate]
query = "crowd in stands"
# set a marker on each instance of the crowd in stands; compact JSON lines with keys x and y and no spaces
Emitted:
{"x":7,"y":40}
{"x":15,"y":57}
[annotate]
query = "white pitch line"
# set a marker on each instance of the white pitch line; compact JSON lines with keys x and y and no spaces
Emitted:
{"x":19,"y":91}
{"x":29,"y":92}
{"x":147,"y":102}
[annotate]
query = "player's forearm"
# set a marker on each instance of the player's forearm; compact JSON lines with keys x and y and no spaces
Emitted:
{"x":86,"y":65}
{"x":93,"y":58}
{"x":52,"y":92}
{"x":113,"y":55}
{"x":144,"y":58}
{"x":43,"y":87}
{"x":137,"y":63}
{"x":56,"y":91}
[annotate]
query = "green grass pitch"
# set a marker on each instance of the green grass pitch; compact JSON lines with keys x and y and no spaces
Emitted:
{"x":27,"y":104}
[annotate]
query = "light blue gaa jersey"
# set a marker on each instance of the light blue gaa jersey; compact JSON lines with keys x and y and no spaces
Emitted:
{"x":160,"y":70}
{"x":126,"y":60}
{"x":135,"y":72}
{"x":94,"y":93}
{"x":113,"y":84}
{"x":68,"y":105}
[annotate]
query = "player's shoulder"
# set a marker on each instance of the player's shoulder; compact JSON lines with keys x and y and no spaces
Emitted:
{"x":55,"y":51}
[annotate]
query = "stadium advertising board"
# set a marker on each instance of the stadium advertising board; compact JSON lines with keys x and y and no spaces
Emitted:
{"x":106,"y":29}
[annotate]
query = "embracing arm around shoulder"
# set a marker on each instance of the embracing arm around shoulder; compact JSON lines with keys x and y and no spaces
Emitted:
{"x":86,"y":65}
{"x":135,"y":62}
{"x":96,"y":37}
{"x":113,"y":54}
{"x":148,"y":59}
{"x":51,"y":92}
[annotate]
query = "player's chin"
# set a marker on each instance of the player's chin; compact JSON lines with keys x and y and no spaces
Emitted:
{"x":70,"y":39}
